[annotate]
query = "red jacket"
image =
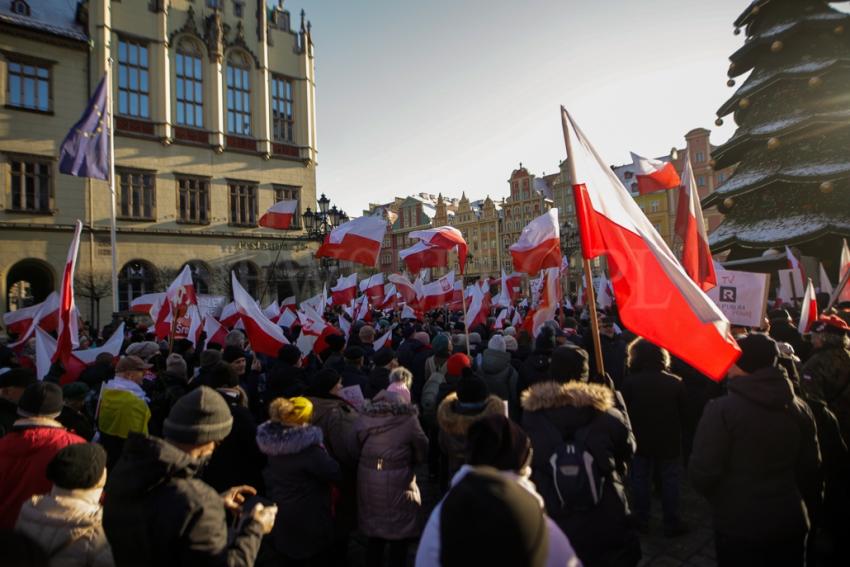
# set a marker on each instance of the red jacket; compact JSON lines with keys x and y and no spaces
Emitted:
{"x":24,"y":454}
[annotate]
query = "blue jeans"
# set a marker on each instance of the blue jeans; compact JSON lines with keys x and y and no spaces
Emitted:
{"x":641,"y":476}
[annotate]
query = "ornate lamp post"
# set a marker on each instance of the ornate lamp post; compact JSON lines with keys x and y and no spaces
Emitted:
{"x":569,"y":233}
{"x":320,"y":223}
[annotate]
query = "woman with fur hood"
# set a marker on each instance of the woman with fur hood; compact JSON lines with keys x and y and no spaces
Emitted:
{"x":388,"y":500}
{"x":298,"y":478}
{"x":567,"y":417}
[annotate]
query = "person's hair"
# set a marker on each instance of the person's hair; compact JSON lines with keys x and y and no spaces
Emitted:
{"x":833,"y":339}
{"x":403,"y":375}
{"x":222,"y":375}
{"x":104,"y":358}
{"x":643,"y":356}
{"x":524,"y":339}
{"x":235,"y":338}
{"x":366,"y":333}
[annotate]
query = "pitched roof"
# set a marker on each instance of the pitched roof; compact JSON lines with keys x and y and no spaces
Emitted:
{"x":56,"y":17}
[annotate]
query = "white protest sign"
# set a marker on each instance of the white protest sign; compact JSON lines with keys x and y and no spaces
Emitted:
{"x":211,"y":305}
{"x":791,"y":286}
{"x":741,"y":296}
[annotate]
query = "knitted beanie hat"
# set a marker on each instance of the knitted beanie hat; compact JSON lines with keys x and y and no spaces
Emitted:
{"x":80,"y":465}
{"x":175,"y":364}
{"x":198,"y":417}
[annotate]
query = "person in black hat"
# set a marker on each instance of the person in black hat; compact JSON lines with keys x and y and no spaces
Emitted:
{"x":12,"y":385}
{"x":33,"y":441}
{"x":159,"y":513}
{"x":75,"y":416}
{"x":379,"y":378}
{"x":826,"y":374}
{"x":782,"y":329}
{"x":756,"y":460}
{"x":353,"y":373}
{"x":67,"y":522}
{"x":333,"y":354}
{"x":536,"y":365}
{"x":286,"y":378}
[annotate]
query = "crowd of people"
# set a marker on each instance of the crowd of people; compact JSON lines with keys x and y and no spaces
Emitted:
{"x":170,"y":455}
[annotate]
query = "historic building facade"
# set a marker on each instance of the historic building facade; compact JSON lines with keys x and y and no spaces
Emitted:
{"x":214,"y":105}
{"x":529,"y":197}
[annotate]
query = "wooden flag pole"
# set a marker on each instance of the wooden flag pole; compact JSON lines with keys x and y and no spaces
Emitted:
{"x":837,"y":291}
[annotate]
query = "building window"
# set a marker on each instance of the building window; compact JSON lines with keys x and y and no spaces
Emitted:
{"x":213,"y":3}
{"x":243,"y":203}
{"x":701,"y":180}
{"x":700,"y":157}
{"x":189,"y":85}
{"x":282,"y":118}
{"x":193,"y":200}
{"x":133,"y":83}
{"x":138,"y":194}
{"x":238,"y":94}
{"x":20,"y":7}
{"x":28,"y":85}
{"x":291,"y":193}
{"x":30,"y":183}
{"x":238,"y":8}
{"x":653,"y":206}
{"x":628,"y":175}
{"x":136,"y":278}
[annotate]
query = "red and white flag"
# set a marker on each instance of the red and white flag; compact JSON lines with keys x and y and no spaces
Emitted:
{"x":407,"y":312}
{"x":504,"y":297}
{"x":196,"y":325}
{"x":423,"y":255}
{"x":604,"y":293}
{"x":45,"y":348}
{"x":437,"y":293}
{"x":288,"y":303}
{"x":265,"y":337}
{"x":809,"y":310}
{"x":314,"y":332}
{"x":690,"y":226}
{"x":844,"y":266}
{"x":272,"y":311}
{"x":182,"y":290}
{"x":145,"y":303}
{"x":404,"y":287}
{"x":68,"y":328}
{"x":794,"y":264}
{"x":215,"y":331}
{"x":287,"y":319}
{"x":279,"y":215}
{"x":654,"y":175}
{"x":825,"y":284}
{"x":655,"y":297}
{"x":112,"y":346}
{"x":446,"y":237}
{"x":24,"y":322}
{"x":345,"y":289}
{"x":381,"y":341}
{"x":390,"y":298}
{"x":516,"y":320}
{"x":229,"y":315}
{"x":549,"y":299}
{"x":358,"y":240}
{"x":373,"y":288}
{"x":539,"y":245}
{"x":478,"y":308}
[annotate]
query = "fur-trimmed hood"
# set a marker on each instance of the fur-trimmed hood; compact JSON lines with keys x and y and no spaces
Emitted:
{"x":456,"y":422}
{"x":275,"y":439}
{"x":551,"y":395}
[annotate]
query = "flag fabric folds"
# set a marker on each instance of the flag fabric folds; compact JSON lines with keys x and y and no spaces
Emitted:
{"x":358,"y":240}
{"x":68,"y":327}
{"x":690,"y":226}
{"x":437,"y":293}
{"x":85,"y":150}
{"x":345,"y":289}
{"x":423,"y":255}
{"x":656,"y":299}
{"x":808,"y":310}
{"x":539,"y":245}
{"x":280,"y":215}
{"x":825,"y":284}
{"x":446,"y":237}
{"x":265,"y":337}
{"x":654,"y":175}
{"x":181,"y":292}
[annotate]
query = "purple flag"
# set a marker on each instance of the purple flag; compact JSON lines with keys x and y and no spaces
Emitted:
{"x":85,"y":150}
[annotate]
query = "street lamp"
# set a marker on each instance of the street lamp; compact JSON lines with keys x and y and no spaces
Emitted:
{"x":570,"y":233}
{"x":323,"y":204}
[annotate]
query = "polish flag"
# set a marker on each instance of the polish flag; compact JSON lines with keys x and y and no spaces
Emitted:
{"x":690,"y":226}
{"x":265,"y":337}
{"x":446,"y":237}
{"x":550,"y":297}
{"x":345,"y":289}
{"x":539,"y":245}
{"x":287,"y":319}
{"x":229,"y":315}
{"x":279,"y":215}
{"x":458,"y":296}
{"x":654,"y":175}
{"x":23,"y":322}
{"x":145,"y":303}
{"x":272,"y":311}
{"x":515,"y":285}
{"x":196,"y":325}
{"x":215,"y":331}
{"x":182,"y":290}
{"x":288,"y":304}
{"x":844,"y":266}
{"x":809,"y":310}
{"x":437,"y":293}
{"x":825,"y":284}
{"x":45,"y":348}
{"x":504,"y":297}
{"x":404,"y":287}
{"x":390,"y":298}
{"x":795,"y":264}
{"x":112,"y":346}
{"x":360,"y":311}
{"x":316,"y":303}
{"x":500,"y":319}
{"x":68,"y":328}
{"x":358,"y":240}
{"x":314,"y":332}
{"x":656,"y":298}
{"x":478,"y":311}
{"x":161,"y":315}
{"x":604,"y":295}
{"x":423,"y":255}
{"x":345,"y":327}
{"x":516,"y":320}
{"x":381,"y":341}
{"x":373,"y":288}
{"x":76,"y":361}
{"x":407,"y":312}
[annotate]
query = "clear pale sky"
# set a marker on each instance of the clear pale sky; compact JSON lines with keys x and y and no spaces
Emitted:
{"x":450,"y":95}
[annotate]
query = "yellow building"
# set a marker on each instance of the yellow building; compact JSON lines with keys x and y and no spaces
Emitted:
{"x":214,"y":122}
{"x":479,"y":224}
{"x":529,"y":198}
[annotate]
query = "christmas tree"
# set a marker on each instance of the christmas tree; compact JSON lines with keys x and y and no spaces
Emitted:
{"x":792,"y":146}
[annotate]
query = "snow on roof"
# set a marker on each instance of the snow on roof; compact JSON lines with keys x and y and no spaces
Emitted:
{"x":776,"y":229}
{"x":57,"y":17}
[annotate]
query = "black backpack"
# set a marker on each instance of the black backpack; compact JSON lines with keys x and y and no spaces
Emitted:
{"x":576,"y":477}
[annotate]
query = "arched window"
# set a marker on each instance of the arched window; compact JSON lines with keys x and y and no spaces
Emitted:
{"x":28,"y":282}
{"x":136,"y":278}
{"x":248,"y":275}
{"x":188,"y":70}
{"x":200,"y":275}
{"x":238,"y":94}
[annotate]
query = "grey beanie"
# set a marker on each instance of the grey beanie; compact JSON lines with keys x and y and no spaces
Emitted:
{"x":198,"y":417}
{"x":210,"y":358}
{"x":175,"y":364}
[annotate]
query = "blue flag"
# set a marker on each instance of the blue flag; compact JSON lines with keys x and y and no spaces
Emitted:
{"x":85,"y":150}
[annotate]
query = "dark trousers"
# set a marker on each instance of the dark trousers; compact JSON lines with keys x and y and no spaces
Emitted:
{"x":375,"y":552}
{"x":736,"y":552}
{"x":641,"y":477}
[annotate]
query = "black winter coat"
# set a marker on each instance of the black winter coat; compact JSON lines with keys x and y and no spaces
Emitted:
{"x":156,"y":513}
{"x":298,"y":479}
{"x":8,"y":415}
{"x":656,"y":402}
{"x":553,"y":413}
{"x":379,"y":379}
{"x":756,"y":459}
{"x":354,"y":376}
{"x":285,"y":381}
{"x":501,"y":378}
{"x":534,"y":369}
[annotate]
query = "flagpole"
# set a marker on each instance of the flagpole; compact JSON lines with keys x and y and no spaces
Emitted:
{"x":465,"y":320}
{"x":112,"y":228}
{"x":588,"y":275}
{"x":837,"y":291}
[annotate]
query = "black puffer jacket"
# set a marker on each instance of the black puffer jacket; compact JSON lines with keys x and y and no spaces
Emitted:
{"x":656,"y":402}
{"x":156,"y":513}
{"x":298,"y":479}
{"x":756,"y":458}
{"x":501,"y":378}
{"x":553,"y":413}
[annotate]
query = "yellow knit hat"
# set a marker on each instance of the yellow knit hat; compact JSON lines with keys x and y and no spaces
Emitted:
{"x":292,"y":411}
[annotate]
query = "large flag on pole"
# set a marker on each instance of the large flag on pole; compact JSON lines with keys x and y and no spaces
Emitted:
{"x":690,"y":226}
{"x":345,"y":289}
{"x":68,"y":328}
{"x":265,"y":337}
{"x":85,"y":150}
{"x":279,"y":215}
{"x":181,"y":292}
{"x":358,"y":240}
{"x":654,"y":175}
{"x":655,"y":297}
{"x":423,"y":255}
{"x":539,"y":245}
{"x":808,"y":310}
{"x":446,"y":237}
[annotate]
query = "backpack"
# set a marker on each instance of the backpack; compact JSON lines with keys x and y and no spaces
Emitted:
{"x":576,"y":477}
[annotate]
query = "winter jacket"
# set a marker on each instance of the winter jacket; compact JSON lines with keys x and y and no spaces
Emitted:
{"x":123,"y":408}
{"x":285,"y":381}
{"x":826,"y":376}
{"x":392,"y":443}
{"x":24,"y":455}
{"x":554,"y":413}
{"x":434,"y":364}
{"x":66,"y":524}
{"x":560,"y":552}
{"x":613,"y":356}
{"x":170,"y":388}
{"x":428,"y":399}
{"x":335,"y":417}
{"x":354,"y":376}
{"x":756,"y":459}
{"x":656,"y":402}
{"x":298,"y":479}
{"x":8,"y":415}
{"x":96,"y":374}
{"x":534,"y":369}
{"x":418,"y":367}
{"x":77,"y":422}
{"x":379,"y":379}
{"x":501,"y":378}
{"x":156,"y":513}
{"x":237,"y":460}
{"x":455,"y":421}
